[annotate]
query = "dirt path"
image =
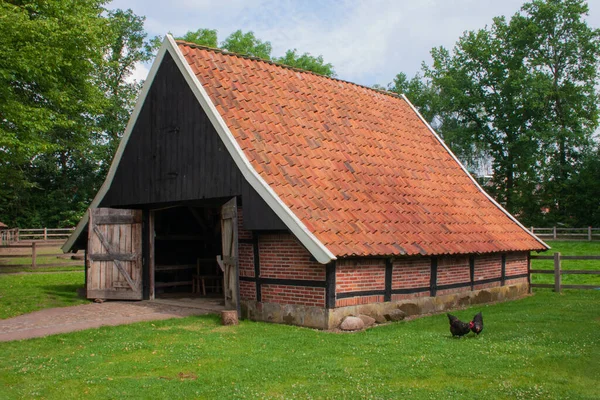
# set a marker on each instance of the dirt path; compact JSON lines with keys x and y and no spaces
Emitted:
{"x":68,"y":319}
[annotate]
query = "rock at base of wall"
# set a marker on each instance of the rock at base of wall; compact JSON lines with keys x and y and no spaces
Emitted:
{"x":395,"y":315}
{"x":352,"y":324}
{"x":368,"y":321}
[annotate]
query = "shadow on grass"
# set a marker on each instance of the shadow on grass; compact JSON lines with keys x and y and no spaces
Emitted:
{"x":63,"y":291}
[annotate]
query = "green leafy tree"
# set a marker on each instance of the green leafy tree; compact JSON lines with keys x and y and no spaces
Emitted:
{"x":307,"y":63}
{"x":247,"y":44}
{"x":565,"y":51}
{"x":202,"y":37}
{"x":522,"y":94}
{"x":64,"y":101}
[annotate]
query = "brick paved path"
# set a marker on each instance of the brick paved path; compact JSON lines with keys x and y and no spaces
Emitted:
{"x":68,"y":319}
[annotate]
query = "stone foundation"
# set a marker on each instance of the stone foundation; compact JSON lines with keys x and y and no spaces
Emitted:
{"x":320,"y":318}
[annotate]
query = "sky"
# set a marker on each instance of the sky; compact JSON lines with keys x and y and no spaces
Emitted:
{"x":368,"y":42}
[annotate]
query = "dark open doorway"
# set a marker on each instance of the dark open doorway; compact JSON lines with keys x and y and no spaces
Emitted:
{"x":187,"y":242}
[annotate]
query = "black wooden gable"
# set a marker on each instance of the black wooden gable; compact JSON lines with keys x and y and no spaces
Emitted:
{"x":174,"y":154}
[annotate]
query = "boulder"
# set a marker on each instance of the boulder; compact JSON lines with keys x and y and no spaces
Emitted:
{"x":352,"y":324}
{"x":368,"y":321}
{"x":395,"y":315}
{"x":380,"y":319}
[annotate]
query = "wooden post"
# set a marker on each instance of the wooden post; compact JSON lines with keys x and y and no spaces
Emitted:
{"x":590,"y":233}
{"x":17,"y":235}
{"x":33,"y":255}
{"x":554,"y":233}
{"x":45,"y":233}
{"x":229,"y":317}
{"x":532,"y":230}
{"x":557,"y":272}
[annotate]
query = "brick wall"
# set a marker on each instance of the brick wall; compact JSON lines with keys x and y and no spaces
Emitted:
{"x":411,"y":273}
{"x":487,"y":266}
{"x":359,"y":275}
{"x":247,"y":290}
{"x":283,"y":257}
{"x":285,"y":294}
{"x":414,"y":273}
{"x":516,"y":264}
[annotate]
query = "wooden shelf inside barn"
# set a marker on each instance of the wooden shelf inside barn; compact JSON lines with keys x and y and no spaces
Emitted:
{"x":170,"y":284}
{"x":161,"y":268}
{"x":181,"y":237}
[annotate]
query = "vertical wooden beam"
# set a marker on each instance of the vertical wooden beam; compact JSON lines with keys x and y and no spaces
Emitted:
{"x":389,"y":268}
{"x":330,"y":285}
{"x":151,"y":255}
{"x":557,"y":277}
{"x":554,"y":232}
{"x":503,"y":272}
{"x":590,"y":233}
{"x":145,"y":255}
{"x":433,"y":277}
{"x":33,"y":255}
{"x":472,"y":270}
{"x":45,"y":234}
{"x":256,"y":251}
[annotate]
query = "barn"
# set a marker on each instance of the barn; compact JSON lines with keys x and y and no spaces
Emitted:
{"x":294,"y":197}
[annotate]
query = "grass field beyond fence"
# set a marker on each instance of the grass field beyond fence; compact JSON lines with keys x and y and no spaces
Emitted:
{"x":569,"y":248}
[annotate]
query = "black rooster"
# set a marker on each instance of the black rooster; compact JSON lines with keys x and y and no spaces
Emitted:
{"x":477,"y":324}
{"x":457,"y":327}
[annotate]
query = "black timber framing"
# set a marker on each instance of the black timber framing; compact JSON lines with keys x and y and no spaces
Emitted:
{"x":330,"y":286}
{"x":503,"y":273}
{"x":255,"y":249}
{"x":174,"y":154}
{"x":389,"y":267}
{"x":424,"y":288}
{"x":145,"y":255}
{"x":433,"y":277}
{"x":472,"y":271}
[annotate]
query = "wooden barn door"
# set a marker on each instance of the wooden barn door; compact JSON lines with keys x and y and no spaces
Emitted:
{"x":114,"y":254}
{"x":229,"y":260}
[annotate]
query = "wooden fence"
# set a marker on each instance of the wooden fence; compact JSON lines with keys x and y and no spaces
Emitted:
{"x":44,"y":234}
{"x":34,"y":246}
{"x":559,"y":272}
{"x":8,"y":236}
{"x":556,"y":233}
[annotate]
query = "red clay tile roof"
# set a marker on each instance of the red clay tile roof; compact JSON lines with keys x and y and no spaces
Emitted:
{"x":357,"y":166}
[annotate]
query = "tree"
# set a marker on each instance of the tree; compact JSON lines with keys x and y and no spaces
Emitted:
{"x":565,"y":51}
{"x":247,"y":44}
{"x":64,"y":102}
{"x":523,"y":93}
{"x":203,"y":37}
{"x":306,"y":62}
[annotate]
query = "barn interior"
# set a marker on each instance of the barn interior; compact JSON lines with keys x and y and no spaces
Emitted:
{"x":187,"y":241}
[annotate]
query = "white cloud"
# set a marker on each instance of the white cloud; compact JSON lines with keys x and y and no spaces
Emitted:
{"x":368,"y":42}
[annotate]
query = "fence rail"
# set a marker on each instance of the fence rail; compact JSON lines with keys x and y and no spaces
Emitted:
{"x":589,"y":233}
{"x":34,"y":256}
{"x":559,"y":272}
{"x":44,"y":233}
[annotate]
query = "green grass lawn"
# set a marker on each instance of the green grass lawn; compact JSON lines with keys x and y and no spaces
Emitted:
{"x":544,"y":346}
{"x":570,"y":248}
{"x":24,"y":293}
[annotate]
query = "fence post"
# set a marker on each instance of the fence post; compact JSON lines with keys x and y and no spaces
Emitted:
{"x":532,"y":230}
{"x":557,"y":272}
{"x":45,"y":233}
{"x":33,"y":255}
{"x":17,"y":235}
{"x":554,"y":233}
{"x":590,"y":233}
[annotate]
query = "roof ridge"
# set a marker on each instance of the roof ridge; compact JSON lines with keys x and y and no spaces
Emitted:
{"x":253,"y":58}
